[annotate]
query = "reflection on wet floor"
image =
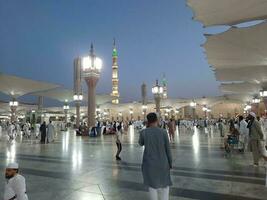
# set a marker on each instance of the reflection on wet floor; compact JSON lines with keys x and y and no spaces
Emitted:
{"x":84,"y":168}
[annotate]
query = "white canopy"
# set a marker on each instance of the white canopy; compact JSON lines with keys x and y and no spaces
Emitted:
{"x":228,"y":12}
{"x":22,"y":108}
{"x":203,"y":101}
{"x":62,"y":95}
{"x":238,"y":47}
{"x":257,"y":74}
{"x":15,"y":86}
{"x":59,"y":94}
{"x":241,"y":88}
{"x":176,"y":103}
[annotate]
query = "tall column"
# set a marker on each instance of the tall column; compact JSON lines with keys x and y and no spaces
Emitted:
{"x":77,"y":88}
{"x":157,"y":91}
{"x":91,"y":83}
{"x":144,"y":94}
{"x":157,"y":101}
{"x":13,"y":108}
{"x":66,"y":115}
{"x":194,"y":112}
{"x":77,"y":105}
{"x":40,"y":107}
{"x":91,"y":72}
{"x":13,"y":113}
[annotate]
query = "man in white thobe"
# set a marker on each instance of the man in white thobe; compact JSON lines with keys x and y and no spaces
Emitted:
{"x":15,"y":188}
{"x":0,"y":131}
{"x":37,"y":130}
{"x":10,"y":132}
{"x":244,"y":132}
{"x":50,"y":132}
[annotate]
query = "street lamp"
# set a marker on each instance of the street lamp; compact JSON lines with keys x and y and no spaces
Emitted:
{"x":168,"y":111}
{"x":247,"y":107}
{"x":78,"y":99}
{"x":177,"y":113}
{"x":131,"y":113}
{"x":66,"y":108}
{"x":193,"y":105}
{"x":91,"y":67}
{"x":144,"y":109}
{"x":205,"y":109}
{"x":256,"y":100}
{"x":263,"y":93}
{"x":157,"y":91}
{"x":13,"y":107}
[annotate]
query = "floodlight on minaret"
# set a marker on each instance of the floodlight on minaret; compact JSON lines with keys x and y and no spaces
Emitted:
{"x":115,"y":75}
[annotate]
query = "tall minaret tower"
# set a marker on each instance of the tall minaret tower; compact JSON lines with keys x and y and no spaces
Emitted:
{"x":165,"y":89}
{"x":115,"y":77}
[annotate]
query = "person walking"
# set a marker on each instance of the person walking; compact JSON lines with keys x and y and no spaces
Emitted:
{"x":43,"y":132}
{"x":157,"y":159}
{"x":172,"y":129}
{"x":50,"y":132}
{"x":118,"y":140}
{"x":15,"y":188}
{"x":220,"y":127}
{"x":11,"y":132}
{"x":244,"y":132}
{"x":255,"y":137}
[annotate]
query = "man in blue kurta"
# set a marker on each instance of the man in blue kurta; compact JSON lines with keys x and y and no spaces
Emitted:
{"x":157,"y":159}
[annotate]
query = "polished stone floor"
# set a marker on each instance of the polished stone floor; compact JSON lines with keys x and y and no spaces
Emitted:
{"x":82,"y":168}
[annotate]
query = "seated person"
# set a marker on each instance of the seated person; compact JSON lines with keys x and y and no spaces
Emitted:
{"x":232,"y":137}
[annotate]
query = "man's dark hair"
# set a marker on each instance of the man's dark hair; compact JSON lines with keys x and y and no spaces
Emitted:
{"x":151,"y":118}
{"x":241,"y":117}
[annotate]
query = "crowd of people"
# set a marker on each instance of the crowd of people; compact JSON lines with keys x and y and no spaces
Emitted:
{"x":12,"y":130}
{"x":245,"y":133}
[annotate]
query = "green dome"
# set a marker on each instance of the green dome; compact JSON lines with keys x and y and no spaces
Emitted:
{"x":114,"y":53}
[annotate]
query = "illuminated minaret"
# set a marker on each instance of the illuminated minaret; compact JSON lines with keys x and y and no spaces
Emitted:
{"x":164,"y":85}
{"x":115,"y":77}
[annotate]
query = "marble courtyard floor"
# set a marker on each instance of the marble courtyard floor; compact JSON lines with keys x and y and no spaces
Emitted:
{"x":82,"y":168}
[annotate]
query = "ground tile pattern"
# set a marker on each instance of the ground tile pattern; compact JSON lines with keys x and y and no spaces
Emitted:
{"x":84,"y":168}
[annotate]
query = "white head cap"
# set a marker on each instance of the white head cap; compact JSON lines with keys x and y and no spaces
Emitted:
{"x":12,"y":166}
{"x":253,"y":114}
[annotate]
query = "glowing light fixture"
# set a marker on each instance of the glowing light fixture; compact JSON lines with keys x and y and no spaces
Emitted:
{"x":256,"y":100}
{"x":92,"y":63}
{"x":66,"y":107}
{"x":157,"y":89}
{"x":77,"y":97}
{"x":193,"y":104}
{"x":263,"y":93}
{"x":144,"y":107}
{"x":13,"y":103}
{"x":247,"y":107}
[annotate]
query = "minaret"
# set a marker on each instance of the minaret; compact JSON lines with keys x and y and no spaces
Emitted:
{"x":144,"y":94}
{"x":165,"y":89}
{"x":115,"y":77}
